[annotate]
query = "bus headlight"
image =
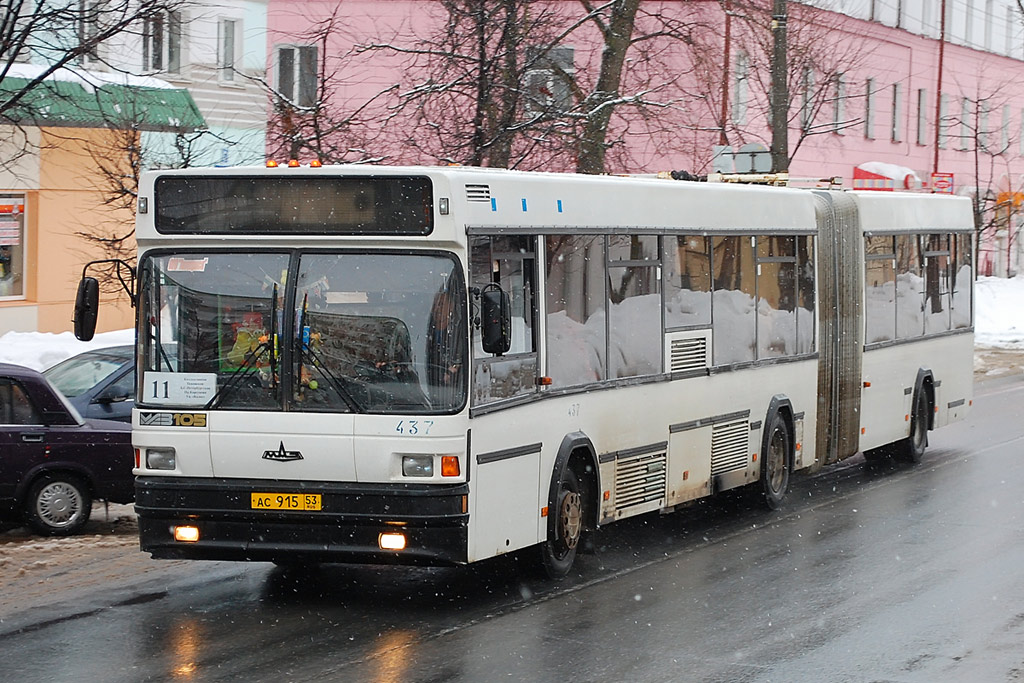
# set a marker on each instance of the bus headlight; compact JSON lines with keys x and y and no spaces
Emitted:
{"x":160,"y":458}
{"x":418,"y":465}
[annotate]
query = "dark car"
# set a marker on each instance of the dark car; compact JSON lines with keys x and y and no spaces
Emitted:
{"x":100,"y":384}
{"x":53,"y":462}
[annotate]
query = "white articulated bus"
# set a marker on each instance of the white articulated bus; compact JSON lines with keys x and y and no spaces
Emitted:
{"x":442,"y":365}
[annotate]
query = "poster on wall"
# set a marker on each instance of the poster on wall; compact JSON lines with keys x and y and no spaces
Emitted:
{"x":12,"y":252}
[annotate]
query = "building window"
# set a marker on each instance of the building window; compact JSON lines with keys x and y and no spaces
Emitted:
{"x":12,"y":246}
{"x":297,"y":74}
{"x":869,"y":109}
{"x":968,"y":22}
{"x":807,"y":107}
{"x":549,"y":79}
{"x":965,"y":122}
{"x":944,"y":122}
{"x":88,"y":29}
{"x":922,"y":116}
{"x":227,"y":45}
{"x":839,"y":105}
{"x":161,"y":42}
{"x":741,"y":88}
{"x":1004,"y":131}
{"x":896,"y":128}
{"x":989,"y":17}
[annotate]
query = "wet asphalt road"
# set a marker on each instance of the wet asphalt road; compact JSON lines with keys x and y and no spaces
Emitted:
{"x":891,"y":573}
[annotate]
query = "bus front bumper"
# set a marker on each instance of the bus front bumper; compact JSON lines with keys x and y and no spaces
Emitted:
{"x":432,"y":519}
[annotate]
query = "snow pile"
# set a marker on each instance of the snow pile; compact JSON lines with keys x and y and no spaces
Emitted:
{"x":999,"y":312}
{"x":41,"y":350}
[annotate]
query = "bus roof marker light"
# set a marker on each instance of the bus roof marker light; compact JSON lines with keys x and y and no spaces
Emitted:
{"x":315,"y":163}
{"x":271,"y":163}
{"x":293,"y":163}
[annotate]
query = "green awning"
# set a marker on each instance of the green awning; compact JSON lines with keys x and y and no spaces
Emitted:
{"x":79,"y":104}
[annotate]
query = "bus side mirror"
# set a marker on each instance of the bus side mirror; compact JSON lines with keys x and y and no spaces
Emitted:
{"x":496,"y":322}
{"x":87,"y":303}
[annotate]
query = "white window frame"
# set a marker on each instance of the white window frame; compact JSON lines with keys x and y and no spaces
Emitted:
{"x":229,"y":32}
{"x":741,"y":88}
{"x":544,"y":78}
{"x":839,"y":104}
{"x":922,"y":116}
{"x":295,"y":92}
{"x":869,"y":109}
{"x":896,"y":127}
{"x":171,"y":27}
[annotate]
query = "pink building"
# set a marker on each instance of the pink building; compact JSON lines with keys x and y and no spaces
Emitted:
{"x":396,"y":81}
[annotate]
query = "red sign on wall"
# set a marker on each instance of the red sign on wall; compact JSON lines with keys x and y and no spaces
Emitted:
{"x":942,"y":183}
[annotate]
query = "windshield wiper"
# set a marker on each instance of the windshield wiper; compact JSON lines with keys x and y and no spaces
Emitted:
{"x":306,"y":348}
{"x":251,"y":360}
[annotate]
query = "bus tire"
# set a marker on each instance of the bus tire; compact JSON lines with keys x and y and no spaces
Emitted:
{"x":912,"y":448}
{"x":776,"y":462}
{"x":558,"y":552}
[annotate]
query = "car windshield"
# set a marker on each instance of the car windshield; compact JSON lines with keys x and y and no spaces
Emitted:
{"x":80,"y":373}
{"x":348,"y":332}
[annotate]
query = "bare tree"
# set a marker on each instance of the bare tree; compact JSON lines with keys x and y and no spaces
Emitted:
{"x":310,"y":116}
{"x":819,"y":59}
{"x":58,"y":34}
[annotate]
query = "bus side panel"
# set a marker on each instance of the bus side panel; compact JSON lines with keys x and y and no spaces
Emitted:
{"x":890,"y":376}
{"x":504,"y":491}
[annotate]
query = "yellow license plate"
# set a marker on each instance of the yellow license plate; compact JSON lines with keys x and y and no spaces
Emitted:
{"x":286,"y":501}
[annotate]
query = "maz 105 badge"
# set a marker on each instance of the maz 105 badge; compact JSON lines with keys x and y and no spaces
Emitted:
{"x":179,"y":388}
{"x":172,"y":419}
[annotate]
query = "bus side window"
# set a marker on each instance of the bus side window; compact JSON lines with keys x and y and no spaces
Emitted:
{"x":507,"y":261}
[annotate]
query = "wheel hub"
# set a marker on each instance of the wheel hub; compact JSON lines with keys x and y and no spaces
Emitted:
{"x":58,"y":504}
{"x":571,"y":519}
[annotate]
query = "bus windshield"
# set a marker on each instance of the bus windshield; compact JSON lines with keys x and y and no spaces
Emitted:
{"x":315,"y":331}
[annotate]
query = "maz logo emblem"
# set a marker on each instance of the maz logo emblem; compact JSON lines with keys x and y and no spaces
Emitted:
{"x":282,"y":455}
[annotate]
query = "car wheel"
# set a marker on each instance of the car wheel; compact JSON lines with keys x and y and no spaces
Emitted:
{"x":58,"y":505}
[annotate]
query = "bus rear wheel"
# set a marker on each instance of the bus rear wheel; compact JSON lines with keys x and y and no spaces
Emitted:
{"x":558,"y":552}
{"x":776,"y":463}
{"x":912,"y":448}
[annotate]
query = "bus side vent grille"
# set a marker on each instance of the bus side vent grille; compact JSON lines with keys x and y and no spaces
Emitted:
{"x":729,"y":447}
{"x":639,"y":479}
{"x":688,"y":354}
{"x":478,"y":193}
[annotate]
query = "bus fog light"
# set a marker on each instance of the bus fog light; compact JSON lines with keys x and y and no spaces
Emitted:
{"x":391,"y":541}
{"x":160,"y":458}
{"x":418,"y":465}
{"x":186,"y":534}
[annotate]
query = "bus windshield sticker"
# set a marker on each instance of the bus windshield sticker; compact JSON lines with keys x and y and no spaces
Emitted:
{"x":187,"y":265}
{"x":180,"y":388}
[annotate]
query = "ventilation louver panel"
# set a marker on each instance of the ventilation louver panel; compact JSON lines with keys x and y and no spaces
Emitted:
{"x":478,"y":193}
{"x":688,"y":354}
{"x":729,"y":444}
{"x":639,"y":479}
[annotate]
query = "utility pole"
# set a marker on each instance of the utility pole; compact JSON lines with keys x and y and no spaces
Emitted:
{"x":938,"y":86}
{"x":780,"y":90}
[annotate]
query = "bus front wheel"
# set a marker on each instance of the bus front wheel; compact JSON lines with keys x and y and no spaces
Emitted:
{"x":558,"y":552}
{"x":776,"y":463}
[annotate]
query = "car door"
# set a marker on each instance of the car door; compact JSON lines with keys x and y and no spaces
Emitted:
{"x":22,"y":436}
